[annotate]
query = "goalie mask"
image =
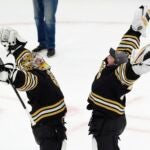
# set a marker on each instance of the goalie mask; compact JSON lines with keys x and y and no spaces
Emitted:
{"x":30,"y":61}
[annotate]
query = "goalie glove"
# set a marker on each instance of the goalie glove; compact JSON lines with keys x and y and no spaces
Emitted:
{"x":11,"y":40}
{"x":140,"y":60}
{"x":6,"y":71}
{"x":141,"y":19}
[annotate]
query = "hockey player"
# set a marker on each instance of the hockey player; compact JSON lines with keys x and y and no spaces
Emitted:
{"x":114,"y":80}
{"x":33,"y":75}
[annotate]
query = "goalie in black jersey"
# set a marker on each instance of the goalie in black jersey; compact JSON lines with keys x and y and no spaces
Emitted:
{"x":33,"y":75}
{"x":114,"y":80}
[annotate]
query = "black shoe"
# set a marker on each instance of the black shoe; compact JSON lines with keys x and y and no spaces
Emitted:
{"x":51,"y":52}
{"x":39,"y":48}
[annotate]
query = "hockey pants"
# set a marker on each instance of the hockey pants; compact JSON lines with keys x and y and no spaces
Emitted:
{"x":49,"y":137}
{"x":106,"y":131}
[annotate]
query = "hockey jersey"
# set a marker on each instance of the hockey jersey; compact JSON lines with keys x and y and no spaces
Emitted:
{"x":43,"y":92}
{"x":112,"y":83}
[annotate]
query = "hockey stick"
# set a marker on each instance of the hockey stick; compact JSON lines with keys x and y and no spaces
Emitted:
{"x":19,"y":97}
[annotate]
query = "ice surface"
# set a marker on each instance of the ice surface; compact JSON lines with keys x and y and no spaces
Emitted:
{"x":86,"y":29}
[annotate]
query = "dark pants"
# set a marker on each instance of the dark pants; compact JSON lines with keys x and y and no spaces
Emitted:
{"x":106,"y":131}
{"x":49,"y":137}
{"x":44,"y":14}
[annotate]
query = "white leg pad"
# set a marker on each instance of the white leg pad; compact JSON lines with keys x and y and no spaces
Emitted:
{"x":64,"y":145}
{"x":94,"y":144}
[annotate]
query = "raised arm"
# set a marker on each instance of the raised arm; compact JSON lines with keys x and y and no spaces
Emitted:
{"x":15,"y":45}
{"x":131,"y":39}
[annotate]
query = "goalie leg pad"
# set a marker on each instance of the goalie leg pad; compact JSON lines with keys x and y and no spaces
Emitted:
{"x":94,"y":144}
{"x":64,"y":145}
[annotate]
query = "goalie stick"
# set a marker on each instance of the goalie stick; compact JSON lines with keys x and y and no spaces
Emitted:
{"x":19,"y":97}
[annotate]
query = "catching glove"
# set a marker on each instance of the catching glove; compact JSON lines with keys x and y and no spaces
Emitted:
{"x":141,"y":20}
{"x":6,"y":71}
{"x":11,"y":40}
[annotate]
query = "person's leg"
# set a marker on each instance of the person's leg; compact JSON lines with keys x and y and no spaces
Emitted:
{"x":49,"y":137}
{"x":106,"y":132}
{"x":39,"y":20}
{"x":107,"y":142}
{"x":51,"y":143}
{"x":50,"y":7}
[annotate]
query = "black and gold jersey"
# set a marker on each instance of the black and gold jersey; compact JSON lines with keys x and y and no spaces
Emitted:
{"x":43,"y":92}
{"x":112,"y":83}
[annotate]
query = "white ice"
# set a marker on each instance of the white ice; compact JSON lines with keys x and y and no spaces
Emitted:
{"x":86,"y":29}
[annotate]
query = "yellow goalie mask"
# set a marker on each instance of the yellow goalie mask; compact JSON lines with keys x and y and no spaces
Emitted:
{"x":29,"y":61}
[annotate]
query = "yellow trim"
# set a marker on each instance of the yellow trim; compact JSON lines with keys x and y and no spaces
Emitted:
{"x":31,"y":76}
{"x":126,"y":79}
{"x":48,"y":115}
{"x":131,"y":36}
{"x":122,"y":73}
{"x":120,"y":76}
{"x":108,"y":100}
{"x":121,"y":70}
{"x":106,"y":107}
{"x":47,"y":107}
{"x":21,"y":54}
{"x":25,"y":82}
{"x":117,"y":75}
{"x":36,"y":82}
{"x":130,"y":44}
{"x":30,"y":83}
{"x":125,"y":49}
